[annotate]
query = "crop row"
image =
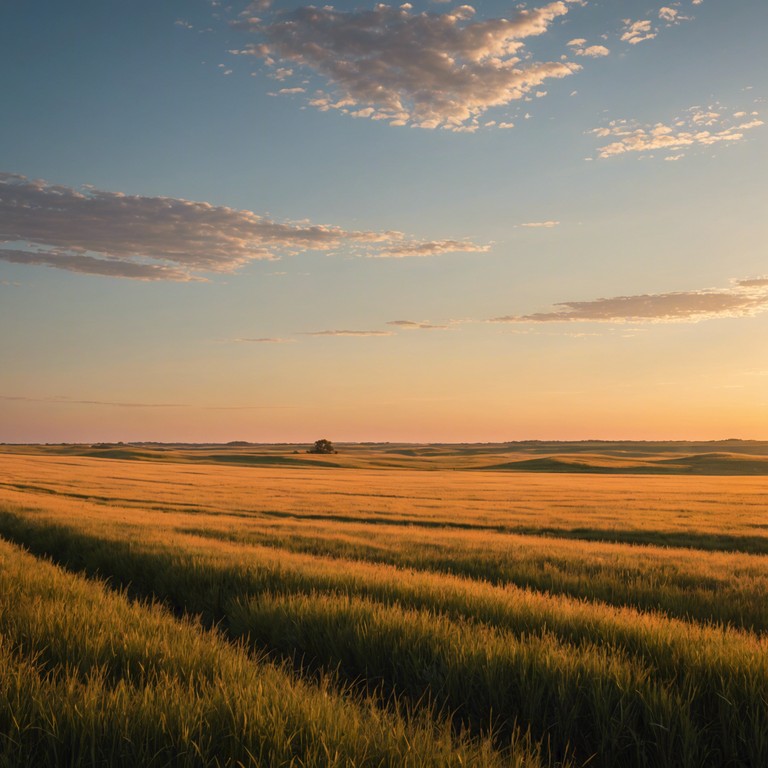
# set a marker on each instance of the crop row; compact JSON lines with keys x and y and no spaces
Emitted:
{"x":730,"y":589}
{"x":613,"y":684}
{"x":90,"y":678}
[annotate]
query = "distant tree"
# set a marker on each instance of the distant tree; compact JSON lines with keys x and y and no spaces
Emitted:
{"x":322,"y":446}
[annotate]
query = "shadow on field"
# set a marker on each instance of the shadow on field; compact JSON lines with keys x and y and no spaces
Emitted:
{"x":709,"y":542}
{"x":754,"y":545}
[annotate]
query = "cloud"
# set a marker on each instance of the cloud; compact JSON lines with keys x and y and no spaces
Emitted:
{"x":745,"y":299}
{"x":348,"y":333}
{"x":412,"y":325}
{"x":68,"y":401}
{"x":753,"y":282}
{"x":161,"y":238}
{"x":540,"y":224}
{"x":113,"y":404}
{"x":579,"y":47}
{"x":699,"y":127}
{"x":430,"y":248}
{"x":430,"y":70}
{"x":637,"y":31}
{"x":93,"y":266}
{"x":672,"y":16}
{"x":667,"y":14}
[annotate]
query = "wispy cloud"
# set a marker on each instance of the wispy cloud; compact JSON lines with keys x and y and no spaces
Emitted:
{"x":161,"y":238}
{"x":698,"y":127}
{"x":110,"y":403}
{"x":412,"y":325}
{"x":743,"y":299}
{"x":540,"y":224}
{"x":348,"y":333}
{"x":118,"y":404}
{"x":430,"y":70}
{"x":430,"y":248}
{"x":107,"y":267}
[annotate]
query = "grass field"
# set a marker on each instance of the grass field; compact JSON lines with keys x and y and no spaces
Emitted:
{"x":402,"y":606}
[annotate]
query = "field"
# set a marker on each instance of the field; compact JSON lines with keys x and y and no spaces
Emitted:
{"x":527,"y":605}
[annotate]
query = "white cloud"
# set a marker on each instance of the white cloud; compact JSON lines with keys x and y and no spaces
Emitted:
{"x":745,"y":298}
{"x":430,"y":70}
{"x":637,"y":31}
{"x":672,"y":16}
{"x":540,"y":224}
{"x":699,"y":127}
{"x":161,"y":238}
{"x":579,"y":47}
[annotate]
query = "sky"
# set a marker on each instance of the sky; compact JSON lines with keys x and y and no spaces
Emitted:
{"x":422,"y":222}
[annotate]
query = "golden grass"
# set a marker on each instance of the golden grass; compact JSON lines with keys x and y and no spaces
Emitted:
{"x":618,"y":616}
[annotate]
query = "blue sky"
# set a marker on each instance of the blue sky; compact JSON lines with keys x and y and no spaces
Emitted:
{"x":429,"y":222}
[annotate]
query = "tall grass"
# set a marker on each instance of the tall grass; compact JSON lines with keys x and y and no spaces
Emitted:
{"x":88,"y":678}
{"x":729,"y":589}
{"x":623,"y":686}
{"x":470,"y":604}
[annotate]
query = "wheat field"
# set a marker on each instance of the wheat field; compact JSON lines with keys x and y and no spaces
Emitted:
{"x":177,"y":611}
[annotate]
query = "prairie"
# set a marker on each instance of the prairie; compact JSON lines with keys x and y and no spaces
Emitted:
{"x":420,"y":605}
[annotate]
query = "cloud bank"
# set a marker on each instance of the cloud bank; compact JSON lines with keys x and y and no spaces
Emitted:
{"x":698,"y":127}
{"x":743,"y":299}
{"x":161,"y":238}
{"x":430,"y":70}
